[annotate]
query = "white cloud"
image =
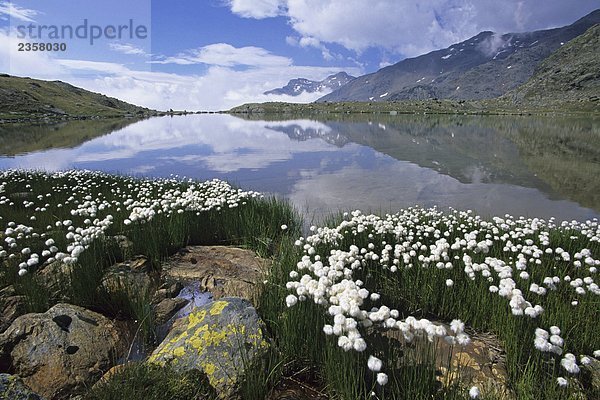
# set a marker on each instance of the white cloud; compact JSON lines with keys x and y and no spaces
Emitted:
{"x":11,"y":10}
{"x":413,"y":27}
{"x":257,"y":8}
{"x":26,"y":63}
{"x":127,"y":48}
{"x":221,"y":87}
{"x":306,"y":42}
{"x":401,"y":26}
{"x":226,"y":55}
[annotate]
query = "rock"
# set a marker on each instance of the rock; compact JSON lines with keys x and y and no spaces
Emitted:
{"x":56,"y":278}
{"x":167,"y":308}
{"x":220,"y":338}
{"x":129,"y":277}
{"x":297,"y":388}
{"x":59,"y":352}
{"x":481,"y":363}
{"x":223,"y":271}
{"x":13,"y":388}
{"x":166,"y":291}
{"x":11,"y":307}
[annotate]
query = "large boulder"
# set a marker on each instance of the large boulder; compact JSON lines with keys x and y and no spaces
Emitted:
{"x":221,"y":339}
{"x":59,"y":352}
{"x":223,"y":271}
{"x":13,"y":388}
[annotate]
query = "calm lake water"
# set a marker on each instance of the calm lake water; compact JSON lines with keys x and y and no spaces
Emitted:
{"x":531,"y":166}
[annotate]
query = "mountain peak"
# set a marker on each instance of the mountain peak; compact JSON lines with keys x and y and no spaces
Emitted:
{"x":297,"y":86}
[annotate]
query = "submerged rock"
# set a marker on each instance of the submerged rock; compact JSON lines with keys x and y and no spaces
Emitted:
{"x":60,"y":352}
{"x":13,"y":388}
{"x":222,"y":271}
{"x":221,"y":339}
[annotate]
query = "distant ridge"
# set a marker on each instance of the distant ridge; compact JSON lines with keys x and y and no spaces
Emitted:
{"x":482,"y":67}
{"x":296,"y":87}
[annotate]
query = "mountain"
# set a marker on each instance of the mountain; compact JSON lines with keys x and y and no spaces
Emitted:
{"x":485,"y":66}
{"x":571,"y":74}
{"x":298,"y":86}
{"x":26,"y":98}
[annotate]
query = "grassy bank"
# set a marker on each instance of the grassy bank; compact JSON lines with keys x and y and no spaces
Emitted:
{"x":333,"y":300}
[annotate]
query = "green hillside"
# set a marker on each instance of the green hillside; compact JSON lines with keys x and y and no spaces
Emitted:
{"x":33,"y":99}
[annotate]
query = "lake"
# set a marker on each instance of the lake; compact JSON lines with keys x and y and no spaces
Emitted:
{"x":493,"y":165}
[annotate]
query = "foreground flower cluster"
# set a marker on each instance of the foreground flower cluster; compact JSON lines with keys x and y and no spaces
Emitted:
{"x":78,"y":207}
{"x":527,"y":263}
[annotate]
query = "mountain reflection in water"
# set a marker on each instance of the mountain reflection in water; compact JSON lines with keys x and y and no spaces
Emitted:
{"x":533,"y":166}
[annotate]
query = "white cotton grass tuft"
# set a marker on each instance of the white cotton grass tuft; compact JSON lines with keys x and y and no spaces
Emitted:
{"x":569,"y":363}
{"x":374,"y":364}
{"x":562,"y":382}
{"x":474,"y":392}
{"x":291,"y":300}
{"x":382,"y":379}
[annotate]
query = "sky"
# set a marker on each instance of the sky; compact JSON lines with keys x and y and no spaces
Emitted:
{"x":216,"y":54}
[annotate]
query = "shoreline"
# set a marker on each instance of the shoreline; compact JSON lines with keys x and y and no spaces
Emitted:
{"x":450,"y":107}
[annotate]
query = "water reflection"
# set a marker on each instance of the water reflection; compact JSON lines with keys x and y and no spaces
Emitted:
{"x":493,"y":165}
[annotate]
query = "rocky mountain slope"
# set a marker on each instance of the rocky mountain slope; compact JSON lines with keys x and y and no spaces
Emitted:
{"x":295,"y":87}
{"x":572,"y":73}
{"x":26,"y":98}
{"x":486,"y":66}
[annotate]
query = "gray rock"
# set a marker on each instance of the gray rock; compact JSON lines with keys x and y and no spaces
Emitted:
{"x":220,"y":338}
{"x":60,"y":352}
{"x":13,"y":388}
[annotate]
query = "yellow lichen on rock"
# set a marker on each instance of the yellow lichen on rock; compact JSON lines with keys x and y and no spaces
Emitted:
{"x":195,"y":318}
{"x":179,"y":351}
{"x":218,"y":307}
{"x":220,"y":338}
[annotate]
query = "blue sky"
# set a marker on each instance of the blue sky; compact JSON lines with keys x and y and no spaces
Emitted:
{"x":215,"y":54}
